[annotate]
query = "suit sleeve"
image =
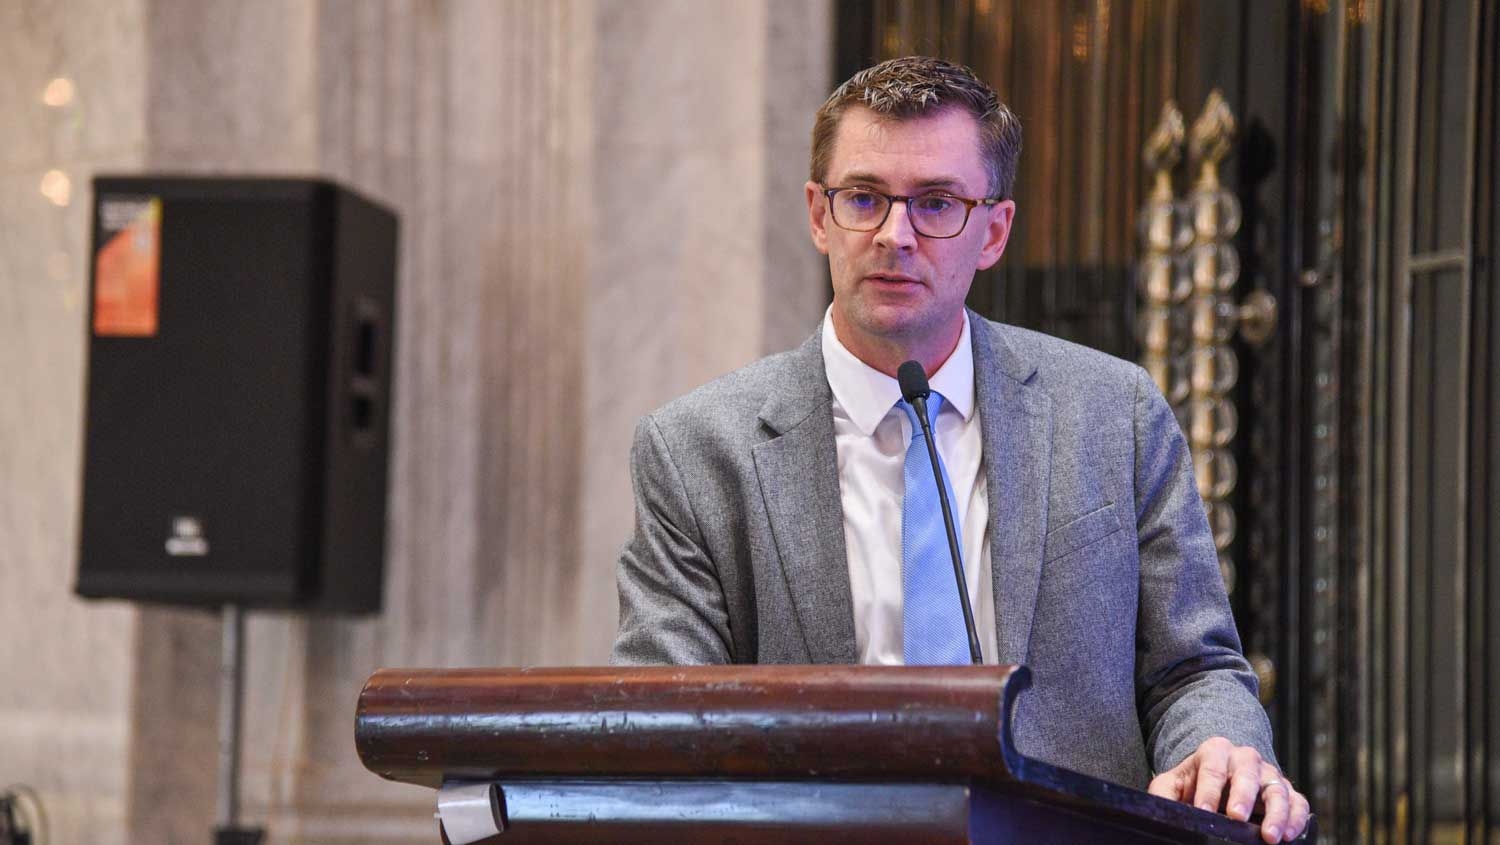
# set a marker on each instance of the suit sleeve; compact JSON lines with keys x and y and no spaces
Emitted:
{"x":672,"y":607}
{"x":1192,"y":681}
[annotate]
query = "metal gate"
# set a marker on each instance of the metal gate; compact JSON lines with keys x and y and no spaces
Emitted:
{"x":1363,"y":519}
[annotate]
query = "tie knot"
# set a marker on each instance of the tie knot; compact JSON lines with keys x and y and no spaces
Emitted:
{"x":934,"y":404}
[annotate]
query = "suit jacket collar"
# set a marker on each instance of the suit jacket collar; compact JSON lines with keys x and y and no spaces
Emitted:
{"x":798,"y":473}
{"x":799,"y":483}
{"x":1016,"y":419}
{"x":803,"y":389}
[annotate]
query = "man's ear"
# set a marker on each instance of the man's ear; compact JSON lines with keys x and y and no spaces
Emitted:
{"x":817,"y":216}
{"x":997,"y":233}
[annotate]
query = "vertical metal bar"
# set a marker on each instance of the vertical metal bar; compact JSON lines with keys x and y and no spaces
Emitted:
{"x":231,"y":685}
{"x":1325,"y":62}
{"x":1486,"y":369}
{"x":1404,"y":689}
{"x":1095,"y":213}
{"x":1379,"y":765}
{"x":1468,"y":669}
{"x":1385,"y":763}
{"x":1295,"y":488}
{"x":1362,"y":124}
{"x":1055,"y":65}
{"x":1361,"y":133}
{"x":1169,"y":54}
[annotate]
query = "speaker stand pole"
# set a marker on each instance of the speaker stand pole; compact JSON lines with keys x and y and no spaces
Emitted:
{"x":231,"y":692}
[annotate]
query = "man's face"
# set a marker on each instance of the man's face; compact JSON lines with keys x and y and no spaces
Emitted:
{"x":893,"y":288}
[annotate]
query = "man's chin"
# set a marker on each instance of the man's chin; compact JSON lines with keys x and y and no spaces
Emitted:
{"x":896,"y":322}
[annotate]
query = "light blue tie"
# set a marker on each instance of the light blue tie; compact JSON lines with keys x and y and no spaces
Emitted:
{"x":933,"y":631}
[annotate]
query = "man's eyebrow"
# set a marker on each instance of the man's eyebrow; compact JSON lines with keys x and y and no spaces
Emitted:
{"x":950,"y":183}
{"x":946,"y":183}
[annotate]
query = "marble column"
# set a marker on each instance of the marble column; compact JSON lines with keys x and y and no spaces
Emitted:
{"x":702,"y":261}
{"x":601,"y":207}
{"x":72,"y":91}
{"x":230,"y":89}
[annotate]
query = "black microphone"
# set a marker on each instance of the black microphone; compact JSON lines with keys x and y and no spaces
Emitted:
{"x":914,"y":389}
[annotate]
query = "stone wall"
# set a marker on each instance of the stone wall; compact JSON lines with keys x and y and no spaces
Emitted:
{"x":601,"y":207}
{"x":65,"y":666}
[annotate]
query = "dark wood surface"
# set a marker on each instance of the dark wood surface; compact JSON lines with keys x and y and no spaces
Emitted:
{"x":803,"y":813}
{"x":424,"y":726}
{"x":786,"y":813}
{"x":819,"y":754}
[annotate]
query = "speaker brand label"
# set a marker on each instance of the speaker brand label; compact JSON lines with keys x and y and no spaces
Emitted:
{"x":187,"y":538}
{"x":127,"y":268}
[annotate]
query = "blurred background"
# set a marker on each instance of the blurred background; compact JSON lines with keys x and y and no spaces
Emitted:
{"x":1303,"y":256}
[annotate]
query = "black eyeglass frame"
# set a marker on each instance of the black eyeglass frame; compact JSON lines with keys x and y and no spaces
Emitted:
{"x":890,"y":202}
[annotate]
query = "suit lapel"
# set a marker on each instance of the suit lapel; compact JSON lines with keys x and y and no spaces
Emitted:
{"x":799,"y":483}
{"x":1016,"y":419}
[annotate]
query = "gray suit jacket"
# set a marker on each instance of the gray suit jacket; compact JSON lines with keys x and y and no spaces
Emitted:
{"x":1105,"y":575}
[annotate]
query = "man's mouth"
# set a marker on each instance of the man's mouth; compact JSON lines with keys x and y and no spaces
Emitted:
{"x":893,"y":279}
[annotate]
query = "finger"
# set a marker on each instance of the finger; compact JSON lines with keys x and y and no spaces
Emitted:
{"x":1212,"y":772}
{"x":1245,"y":770}
{"x":1296,"y":821}
{"x":1274,"y":823}
{"x":1167,"y":785}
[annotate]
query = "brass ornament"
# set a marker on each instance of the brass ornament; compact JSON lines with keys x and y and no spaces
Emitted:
{"x":1186,"y":277}
{"x":1160,"y":284}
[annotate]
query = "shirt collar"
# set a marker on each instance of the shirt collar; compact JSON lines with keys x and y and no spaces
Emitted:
{"x":866,"y":394}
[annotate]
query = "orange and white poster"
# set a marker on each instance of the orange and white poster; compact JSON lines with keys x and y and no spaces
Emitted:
{"x":127,"y":269}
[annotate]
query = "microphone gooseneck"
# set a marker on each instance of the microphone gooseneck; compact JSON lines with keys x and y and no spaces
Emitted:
{"x":914,"y":389}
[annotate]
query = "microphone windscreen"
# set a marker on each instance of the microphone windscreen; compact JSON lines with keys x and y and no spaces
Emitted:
{"x":913,"y":381}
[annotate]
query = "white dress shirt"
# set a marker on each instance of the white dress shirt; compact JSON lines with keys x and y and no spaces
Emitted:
{"x":872,"y":435}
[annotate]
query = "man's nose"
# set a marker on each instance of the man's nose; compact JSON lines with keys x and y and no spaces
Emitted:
{"x":897,"y":232}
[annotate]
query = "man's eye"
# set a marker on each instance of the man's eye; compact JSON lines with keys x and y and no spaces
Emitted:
{"x":934,"y":204}
{"x":863,"y":200}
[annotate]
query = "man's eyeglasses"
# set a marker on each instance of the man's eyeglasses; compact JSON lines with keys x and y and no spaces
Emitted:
{"x":933,"y":215}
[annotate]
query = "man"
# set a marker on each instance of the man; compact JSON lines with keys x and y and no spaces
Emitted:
{"x":773,"y":519}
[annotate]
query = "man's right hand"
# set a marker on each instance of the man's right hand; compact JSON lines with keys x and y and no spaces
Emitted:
{"x":1222,"y":774}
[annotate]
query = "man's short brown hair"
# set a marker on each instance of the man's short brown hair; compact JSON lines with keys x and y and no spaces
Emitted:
{"x":917,"y":86}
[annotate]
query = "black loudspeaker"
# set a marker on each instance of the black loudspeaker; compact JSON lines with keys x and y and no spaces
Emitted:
{"x":239,"y":394}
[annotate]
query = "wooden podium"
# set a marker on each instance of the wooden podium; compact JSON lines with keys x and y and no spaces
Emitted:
{"x":746,"y":754}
